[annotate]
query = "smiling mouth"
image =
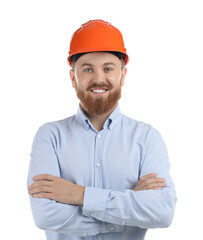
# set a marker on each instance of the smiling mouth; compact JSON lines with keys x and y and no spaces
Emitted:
{"x":99,"y":91}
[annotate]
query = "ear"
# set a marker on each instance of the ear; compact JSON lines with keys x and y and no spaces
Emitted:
{"x":72,"y":77}
{"x":123,"y":75}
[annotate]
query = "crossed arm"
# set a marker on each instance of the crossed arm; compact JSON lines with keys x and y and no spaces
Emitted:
{"x":62,"y":206}
{"x":61,"y":190}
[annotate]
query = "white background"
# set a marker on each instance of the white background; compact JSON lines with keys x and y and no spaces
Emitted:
{"x":164,"y":40}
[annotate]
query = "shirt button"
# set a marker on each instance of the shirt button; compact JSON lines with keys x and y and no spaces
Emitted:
{"x":123,"y":223}
{"x":112,"y":228}
{"x":84,"y":234}
{"x":99,"y":136}
{"x":92,"y":214}
{"x":98,"y":164}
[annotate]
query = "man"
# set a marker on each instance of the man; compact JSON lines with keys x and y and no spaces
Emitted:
{"x":99,"y":174}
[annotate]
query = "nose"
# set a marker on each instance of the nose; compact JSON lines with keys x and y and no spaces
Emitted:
{"x":98,"y":77}
{"x":99,"y":80}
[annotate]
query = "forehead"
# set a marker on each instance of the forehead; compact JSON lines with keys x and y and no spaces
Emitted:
{"x":98,"y":59}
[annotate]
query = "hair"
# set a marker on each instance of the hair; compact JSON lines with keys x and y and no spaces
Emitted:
{"x":75,"y":57}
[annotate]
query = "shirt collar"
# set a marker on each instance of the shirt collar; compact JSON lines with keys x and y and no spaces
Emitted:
{"x":110,"y":122}
{"x":114,"y":117}
{"x":82,"y":118}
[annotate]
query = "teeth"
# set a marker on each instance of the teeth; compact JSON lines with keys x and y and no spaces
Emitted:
{"x":99,"y":90}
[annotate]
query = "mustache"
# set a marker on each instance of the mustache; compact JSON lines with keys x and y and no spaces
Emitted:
{"x":101,"y":85}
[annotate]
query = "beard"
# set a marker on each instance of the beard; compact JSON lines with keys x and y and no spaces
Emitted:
{"x":99,"y":105}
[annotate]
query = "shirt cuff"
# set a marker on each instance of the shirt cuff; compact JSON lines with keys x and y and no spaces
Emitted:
{"x":95,"y":200}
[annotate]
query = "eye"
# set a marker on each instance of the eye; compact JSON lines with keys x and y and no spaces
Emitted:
{"x":88,"y":70}
{"x":107,"y":69}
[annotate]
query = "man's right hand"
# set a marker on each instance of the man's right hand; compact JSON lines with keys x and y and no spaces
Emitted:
{"x":150,"y":181}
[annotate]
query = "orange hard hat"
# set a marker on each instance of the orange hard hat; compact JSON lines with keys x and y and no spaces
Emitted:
{"x":97,"y":36}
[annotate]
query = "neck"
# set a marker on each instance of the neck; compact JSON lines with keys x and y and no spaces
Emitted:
{"x":98,"y":120}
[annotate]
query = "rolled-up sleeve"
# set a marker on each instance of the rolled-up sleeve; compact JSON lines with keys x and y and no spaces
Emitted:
{"x":144,"y":209}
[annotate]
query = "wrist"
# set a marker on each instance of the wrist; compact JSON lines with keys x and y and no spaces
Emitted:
{"x":81,"y":192}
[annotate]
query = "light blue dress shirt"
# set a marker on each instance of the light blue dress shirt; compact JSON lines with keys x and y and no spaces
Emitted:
{"x":109,"y":163}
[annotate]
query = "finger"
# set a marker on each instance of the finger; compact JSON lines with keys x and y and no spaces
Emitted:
{"x":149,"y":180}
{"x":142,"y":181}
{"x":154,"y":185}
{"x":41,"y":189}
{"x":148,"y":183}
{"x":152,"y":180}
{"x":39,"y":183}
{"x":43,"y":195}
{"x":158,"y":188}
{"x":150,"y":175}
{"x":43,"y":177}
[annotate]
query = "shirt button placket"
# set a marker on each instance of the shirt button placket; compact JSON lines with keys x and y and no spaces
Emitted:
{"x":98,"y":169}
{"x":98,"y":161}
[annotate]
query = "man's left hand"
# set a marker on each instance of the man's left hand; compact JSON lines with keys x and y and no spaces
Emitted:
{"x":56,"y":188}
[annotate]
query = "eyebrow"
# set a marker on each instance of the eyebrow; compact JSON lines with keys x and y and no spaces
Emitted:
{"x":91,"y":65}
{"x":109,"y":63}
{"x":86,"y":64}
